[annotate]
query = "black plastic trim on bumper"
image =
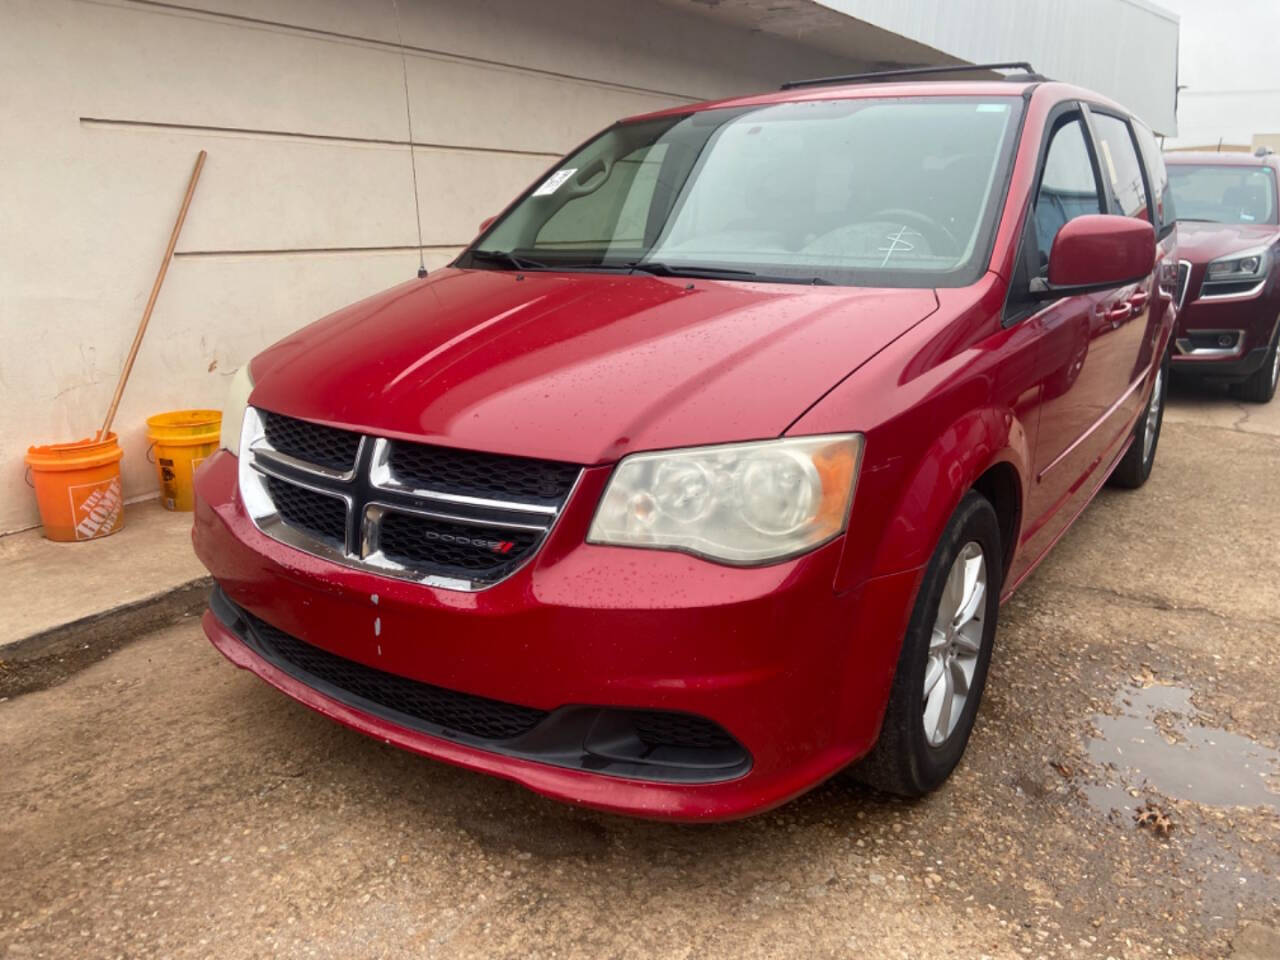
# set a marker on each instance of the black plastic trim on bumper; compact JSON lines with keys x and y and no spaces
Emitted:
{"x":1238,"y":369}
{"x":605,"y":740}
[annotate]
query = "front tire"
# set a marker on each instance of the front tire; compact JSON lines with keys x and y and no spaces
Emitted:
{"x":1260,"y":387}
{"x":942,"y":668}
{"x":1135,"y":466}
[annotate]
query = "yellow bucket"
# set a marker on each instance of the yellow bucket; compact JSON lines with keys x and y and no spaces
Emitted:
{"x":180,"y":441}
{"x":78,"y":488}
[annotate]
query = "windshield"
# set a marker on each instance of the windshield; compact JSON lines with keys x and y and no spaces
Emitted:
{"x":871,"y":192}
{"x":1223,"y":194}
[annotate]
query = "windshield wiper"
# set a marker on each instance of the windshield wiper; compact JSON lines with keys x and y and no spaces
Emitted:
{"x":659,"y":269}
{"x":508,"y":258}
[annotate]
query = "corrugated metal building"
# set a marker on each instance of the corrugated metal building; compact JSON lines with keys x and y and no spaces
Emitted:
{"x":305,"y":202}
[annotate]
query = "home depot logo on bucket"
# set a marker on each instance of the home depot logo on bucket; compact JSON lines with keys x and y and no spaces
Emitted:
{"x":96,"y":507}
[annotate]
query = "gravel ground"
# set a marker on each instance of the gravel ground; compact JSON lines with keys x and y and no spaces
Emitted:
{"x":161,"y":803}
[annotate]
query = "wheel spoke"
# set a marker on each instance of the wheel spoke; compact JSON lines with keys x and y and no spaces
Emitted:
{"x":933,"y":672}
{"x":973,"y":602}
{"x":937,"y":640}
{"x":968,"y":639}
{"x":959,"y":676}
{"x":937,"y":712}
{"x":952,"y":593}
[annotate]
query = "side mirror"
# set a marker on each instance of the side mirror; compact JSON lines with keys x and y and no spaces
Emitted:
{"x":1096,"y":252}
{"x":485,"y":224}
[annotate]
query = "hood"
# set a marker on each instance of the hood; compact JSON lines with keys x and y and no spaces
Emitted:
{"x":1199,"y":243}
{"x":580,"y":367}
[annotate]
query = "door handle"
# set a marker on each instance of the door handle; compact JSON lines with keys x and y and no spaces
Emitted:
{"x":1139,"y":300}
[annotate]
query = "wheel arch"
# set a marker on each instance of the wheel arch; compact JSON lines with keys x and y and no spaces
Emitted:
{"x":986,"y":449}
{"x":1002,"y":486}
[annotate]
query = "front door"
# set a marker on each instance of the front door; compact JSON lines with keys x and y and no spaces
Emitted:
{"x":1089,"y":344}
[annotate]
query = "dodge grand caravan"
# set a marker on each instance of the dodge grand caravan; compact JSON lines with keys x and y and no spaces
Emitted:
{"x":701,"y":474}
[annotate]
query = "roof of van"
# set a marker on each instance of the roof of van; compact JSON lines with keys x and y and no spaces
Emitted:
{"x":903,"y":89}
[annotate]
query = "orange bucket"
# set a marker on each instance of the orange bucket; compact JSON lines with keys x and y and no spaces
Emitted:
{"x":78,"y":488}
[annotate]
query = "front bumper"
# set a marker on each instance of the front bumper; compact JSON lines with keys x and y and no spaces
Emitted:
{"x":1245,"y":324}
{"x":796,"y":673}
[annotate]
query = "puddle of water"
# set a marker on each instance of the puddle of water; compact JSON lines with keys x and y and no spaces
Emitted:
{"x":1206,"y":765}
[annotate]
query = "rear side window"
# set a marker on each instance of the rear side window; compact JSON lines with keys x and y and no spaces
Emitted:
{"x":1158,"y":177}
{"x":1119,"y":162}
{"x":1068,"y":187}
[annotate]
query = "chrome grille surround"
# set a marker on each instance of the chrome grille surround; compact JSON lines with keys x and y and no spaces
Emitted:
{"x":369,"y":491}
{"x":1184,"y":277}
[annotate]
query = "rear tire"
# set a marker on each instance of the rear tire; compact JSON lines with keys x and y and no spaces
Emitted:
{"x":919,"y":746}
{"x":1135,"y":466}
{"x":1260,"y":387}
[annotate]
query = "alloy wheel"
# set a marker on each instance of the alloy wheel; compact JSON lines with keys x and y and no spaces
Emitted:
{"x":1153,"y":415}
{"x":955,"y":643}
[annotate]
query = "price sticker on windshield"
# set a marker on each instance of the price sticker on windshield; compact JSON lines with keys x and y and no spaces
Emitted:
{"x":554,"y":181}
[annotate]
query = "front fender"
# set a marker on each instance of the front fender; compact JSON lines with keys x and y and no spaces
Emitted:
{"x":939,"y":407}
{"x":946,"y":470}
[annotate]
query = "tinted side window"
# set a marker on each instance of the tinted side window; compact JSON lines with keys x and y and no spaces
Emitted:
{"x":1068,"y":186}
{"x":1158,"y":177}
{"x":1119,"y":162}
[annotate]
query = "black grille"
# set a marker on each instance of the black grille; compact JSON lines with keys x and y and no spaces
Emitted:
{"x":317,"y":513}
{"x":323,"y":446}
{"x":469,"y":473}
{"x":1184,"y":274}
{"x":463,"y":713}
{"x":660,"y":729}
{"x":480,"y":542}
{"x":476,"y":551}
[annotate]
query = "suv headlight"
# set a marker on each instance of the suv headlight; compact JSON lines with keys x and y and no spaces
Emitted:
{"x":740,"y":503}
{"x":1245,"y":265}
{"x":233,"y":409}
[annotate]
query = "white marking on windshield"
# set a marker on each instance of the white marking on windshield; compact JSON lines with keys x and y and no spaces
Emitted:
{"x":897,"y":241}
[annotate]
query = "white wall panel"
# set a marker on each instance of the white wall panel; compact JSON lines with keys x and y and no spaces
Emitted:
{"x":1124,"y":49}
{"x":305,"y":203}
{"x":282,"y":193}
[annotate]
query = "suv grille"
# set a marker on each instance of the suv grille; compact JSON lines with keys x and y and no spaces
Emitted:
{"x":317,"y":513}
{"x":482,"y":474}
{"x":453,"y":518}
{"x":465,"y":549}
{"x":326,"y":447}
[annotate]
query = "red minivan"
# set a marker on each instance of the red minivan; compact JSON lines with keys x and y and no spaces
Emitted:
{"x":700,"y":475}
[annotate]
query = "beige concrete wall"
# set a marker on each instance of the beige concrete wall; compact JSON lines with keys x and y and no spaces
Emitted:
{"x":305,"y":203}
{"x":1270,"y":141}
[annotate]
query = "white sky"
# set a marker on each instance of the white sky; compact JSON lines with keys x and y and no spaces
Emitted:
{"x":1229,"y":60}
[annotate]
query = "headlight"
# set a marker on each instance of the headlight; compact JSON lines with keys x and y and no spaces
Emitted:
{"x":741,"y":503}
{"x":233,"y":409}
{"x":1246,"y":265}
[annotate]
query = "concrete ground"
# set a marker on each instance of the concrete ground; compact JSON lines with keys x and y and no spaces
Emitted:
{"x":77,"y":581}
{"x":160,"y":803}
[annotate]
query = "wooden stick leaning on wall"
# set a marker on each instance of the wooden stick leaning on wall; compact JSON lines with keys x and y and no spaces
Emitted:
{"x":151,"y":300}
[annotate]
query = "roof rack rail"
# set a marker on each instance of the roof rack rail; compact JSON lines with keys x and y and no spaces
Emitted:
{"x":1022,"y":65}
